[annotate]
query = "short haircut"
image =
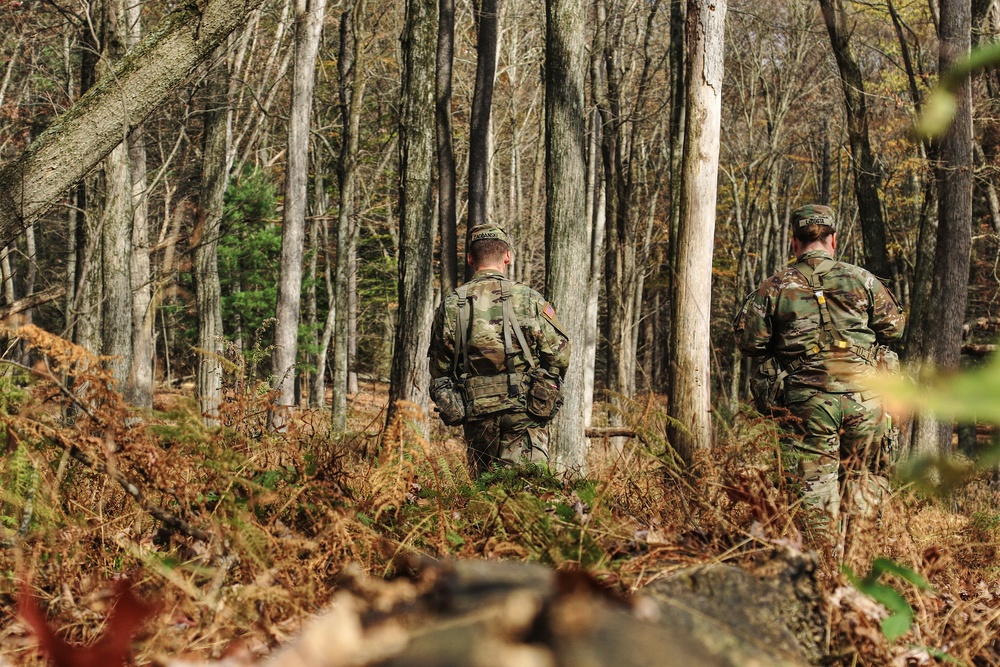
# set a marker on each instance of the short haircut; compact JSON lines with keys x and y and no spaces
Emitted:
{"x":812,"y":232}
{"x":487,"y":251}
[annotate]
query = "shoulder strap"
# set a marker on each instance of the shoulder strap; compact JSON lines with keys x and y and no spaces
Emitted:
{"x":461,"y":332}
{"x":510,"y":323}
{"x":814,"y":276}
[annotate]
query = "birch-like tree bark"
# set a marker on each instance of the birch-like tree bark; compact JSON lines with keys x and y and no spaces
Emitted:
{"x":409,"y":377}
{"x":690,"y":389}
{"x":308,"y":27}
{"x":567,"y":228}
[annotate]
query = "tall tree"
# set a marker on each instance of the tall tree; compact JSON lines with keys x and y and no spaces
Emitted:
{"x":567,"y":228}
{"x":867,"y":174}
{"x":482,"y":105}
{"x":690,"y":389}
{"x":308,"y":27}
{"x":208,"y":291}
{"x":942,"y":324}
{"x":445,"y":146}
{"x":351,"y":92}
{"x":409,"y":377}
{"x":139,"y":386}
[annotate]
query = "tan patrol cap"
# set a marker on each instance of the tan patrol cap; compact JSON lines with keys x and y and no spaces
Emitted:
{"x":810,"y":214}
{"x":488,"y":231}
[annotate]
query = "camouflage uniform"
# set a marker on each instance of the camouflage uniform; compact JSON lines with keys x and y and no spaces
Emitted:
{"x":501,"y":430}
{"x":840,"y":418}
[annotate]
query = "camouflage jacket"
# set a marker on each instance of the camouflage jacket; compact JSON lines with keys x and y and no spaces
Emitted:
{"x":783,"y":318}
{"x":537,"y":318}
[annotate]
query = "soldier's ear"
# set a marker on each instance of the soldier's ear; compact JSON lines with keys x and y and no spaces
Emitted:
{"x":468,"y":258}
{"x":506,"y":257}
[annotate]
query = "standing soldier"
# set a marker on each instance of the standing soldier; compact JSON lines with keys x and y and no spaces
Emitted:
{"x":824,"y":322}
{"x":497,"y":359}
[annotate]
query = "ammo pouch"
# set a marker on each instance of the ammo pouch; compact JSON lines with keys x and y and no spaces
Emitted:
{"x":767,"y":384}
{"x":449,"y":400}
{"x":486,"y":394}
{"x":544,"y":396}
{"x":886,"y":360}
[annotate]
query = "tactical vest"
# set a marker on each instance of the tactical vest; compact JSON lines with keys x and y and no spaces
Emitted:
{"x":772,"y":375}
{"x":486,"y":394}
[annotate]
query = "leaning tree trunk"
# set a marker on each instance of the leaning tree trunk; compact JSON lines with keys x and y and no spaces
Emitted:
{"x":96,"y":123}
{"x":208,"y":291}
{"x":690,"y":390}
{"x":351,"y":93}
{"x":445,"y":148}
{"x":567,"y":228}
{"x":308,"y":26}
{"x":410,"y":376}
{"x":942,"y":325}
{"x":863,"y":163}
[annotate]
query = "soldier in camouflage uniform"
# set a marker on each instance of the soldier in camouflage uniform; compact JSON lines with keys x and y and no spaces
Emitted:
{"x":821,"y":320}
{"x":499,"y":390}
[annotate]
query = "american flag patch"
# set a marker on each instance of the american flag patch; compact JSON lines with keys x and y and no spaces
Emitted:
{"x":549,"y":311}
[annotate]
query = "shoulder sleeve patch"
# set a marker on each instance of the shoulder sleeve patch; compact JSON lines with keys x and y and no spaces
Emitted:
{"x":549,"y":311}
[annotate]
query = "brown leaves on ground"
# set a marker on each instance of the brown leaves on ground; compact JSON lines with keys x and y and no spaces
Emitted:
{"x":112,"y":649}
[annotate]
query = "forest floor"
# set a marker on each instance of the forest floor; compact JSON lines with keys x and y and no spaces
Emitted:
{"x":269,"y":523}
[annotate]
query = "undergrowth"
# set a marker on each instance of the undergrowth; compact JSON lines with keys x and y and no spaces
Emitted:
{"x":241,"y":533}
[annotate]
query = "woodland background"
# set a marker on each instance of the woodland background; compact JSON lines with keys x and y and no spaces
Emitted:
{"x":372,"y":136}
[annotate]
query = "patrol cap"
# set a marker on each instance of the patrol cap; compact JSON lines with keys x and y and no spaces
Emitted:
{"x":488,"y":231}
{"x":810,"y":214}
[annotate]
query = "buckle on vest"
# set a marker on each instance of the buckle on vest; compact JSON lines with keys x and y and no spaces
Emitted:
{"x":840,"y":343}
{"x":819,"y":297}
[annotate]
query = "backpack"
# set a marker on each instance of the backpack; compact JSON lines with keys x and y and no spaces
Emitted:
{"x":767,"y":381}
{"x":463,"y":396}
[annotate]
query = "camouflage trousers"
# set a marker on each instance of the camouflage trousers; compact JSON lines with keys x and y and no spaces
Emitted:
{"x":842,"y":439}
{"x":508,"y":437}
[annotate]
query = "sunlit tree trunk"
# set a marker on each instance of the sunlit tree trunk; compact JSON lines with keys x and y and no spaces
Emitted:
{"x":139,"y":388}
{"x":409,"y":377}
{"x":351,"y":94}
{"x":567,"y":228}
{"x":690,"y":390}
{"x":308,"y":26}
{"x":208,"y":292}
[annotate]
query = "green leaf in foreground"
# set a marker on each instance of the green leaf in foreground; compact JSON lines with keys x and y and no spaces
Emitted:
{"x":900,"y":617}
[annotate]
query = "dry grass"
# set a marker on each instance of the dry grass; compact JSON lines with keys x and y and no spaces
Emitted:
{"x":287,"y":514}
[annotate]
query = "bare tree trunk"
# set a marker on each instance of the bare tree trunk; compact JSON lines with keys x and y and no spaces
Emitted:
{"x":943,"y":323}
{"x":351,"y":94}
{"x":116,"y":237}
{"x":208,"y":292}
{"x":690,"y":395}
{"x":482,"y":104}
{"x":96,"y":123}
{"x":139,"y":388}
{"x":409,"y":377}
{"x":308,"y":26}
{"x":567,"y":228}
{"x":595,"y":214}
{"x":445,"y":150}
{"x":867,"y":174}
